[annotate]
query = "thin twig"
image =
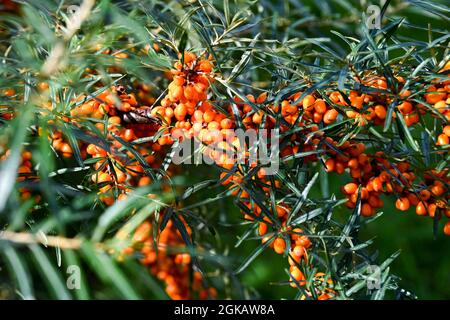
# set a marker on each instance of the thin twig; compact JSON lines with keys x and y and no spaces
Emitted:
{"x":51,"y":241}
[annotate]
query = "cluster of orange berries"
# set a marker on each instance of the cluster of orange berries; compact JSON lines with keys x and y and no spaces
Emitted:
{"x":187,"y":93}
{"x":61,"y":145}
{"x":317,"y":109}
{"x":384,"y":177}
{"x":376,"y":175}
{"x":431,"y":197}
{"x":119,"y":173}
{"x":170,"y":267}
{"x":443,"y":138}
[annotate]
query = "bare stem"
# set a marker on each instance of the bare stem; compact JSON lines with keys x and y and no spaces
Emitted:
{"x":51,"y":241}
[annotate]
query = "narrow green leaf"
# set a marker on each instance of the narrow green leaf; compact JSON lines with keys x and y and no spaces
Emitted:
{"x":52,"y":277}
{"x":20,"y":272}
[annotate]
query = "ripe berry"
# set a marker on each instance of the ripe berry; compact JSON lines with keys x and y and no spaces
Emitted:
{"x":279,"y":245}
{"x":421,"y":209}
{"x":402,"y":204}
{"x":350,"y":188}
{"x":330,"y":116}
{"x":442,"y":140}
{"x":447,"y":228}
{"x":366,"y":210}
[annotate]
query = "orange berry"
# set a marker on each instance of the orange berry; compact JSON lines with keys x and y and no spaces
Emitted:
{"x":413,"y":199}
{"x":87,"y":108}
{"x":330,"y":116}
{"x":261,"y":98}
{"x":23,"y":169}
{"x":425,"y":194}
{"x":296,"y":234}
{"x":180,"y":112}
{"x":208,"y":115}
{"x":281,"y":211}
{"x":226,"y":123}
{"x":176,"y":93}
{"x":377,"y":184}
{"x":190,"y":93}
{"x":402,"y":204}
{"x":435,"y":97}
{"x":205,"y":66}
{"x":128,"y":135}
{"x":262,"y":228}
{"x":308,"y":101}
{"x":142,"y":232}
{"x":441,"y":106}
{"x":26,"y":155}
{"x":330,"y":165}
{"x":421,"y":209}
{"x":340,"y":168}
{"x":432,"y":209}
{"x":121,"y":197}
{"x":353,"y":163}
{"x":9,"y":92}
{"x":303,"y":241}
{"x":104,"y":177}
{"x":261,"y":173}
{"x":257,"y":117}
{"x":380,"y":111}
{"x":446,"y":130}
{"x":320,"y":106}
{"x":279,"y":245}
{"x":299,"y":251}
{"x":91,"y":149}
{"x":144,"y":181}
{"x":447,"y":228}
{"x":189,"y":57}
{"x":366,"y":210}
{"x":437,"y":189}
{"x":297,"y":275}
{"x":411,"y":118}
{"x":317,"y":117}
{"x":168,"y":112}
{"x":350,"y":188}
{"x":405,"y":107}
{"x":324,"y":296}
{"x":66,"y":148}
{"x":447,"y":212}
{"x":442,"y":140}
{"x":109,"y":201}
{"x":114,"y":120}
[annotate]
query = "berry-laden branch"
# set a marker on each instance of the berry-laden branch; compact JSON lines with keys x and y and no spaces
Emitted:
{"x":307,"y":124}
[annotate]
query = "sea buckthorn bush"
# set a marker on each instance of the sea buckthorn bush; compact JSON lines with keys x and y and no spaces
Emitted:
{"x":97,"y":100}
